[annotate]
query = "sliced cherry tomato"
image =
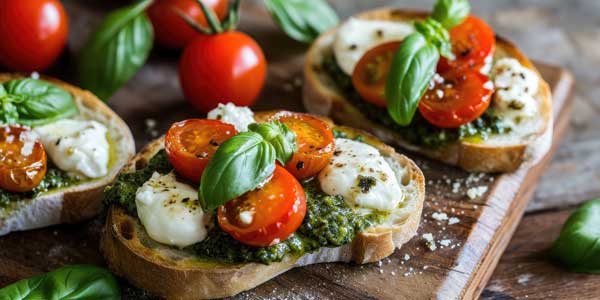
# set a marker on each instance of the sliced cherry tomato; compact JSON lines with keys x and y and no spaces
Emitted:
{"x":460,"y":98}
{"x":22,"y":159}
{"x":371,"y":72}
{"x":226,"y":67}
{"x":190,"y":144}
{"x":33,"y":33}
{"x":473,"y":42}
{"x":266,"y":216}
{"x":315,"y":144}
{"x":170,"y":29}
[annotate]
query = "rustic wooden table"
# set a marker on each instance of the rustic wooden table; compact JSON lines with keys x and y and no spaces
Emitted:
{"x":566,"y":33}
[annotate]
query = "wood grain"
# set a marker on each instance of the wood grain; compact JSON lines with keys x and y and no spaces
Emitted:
{"x":525,"y":272}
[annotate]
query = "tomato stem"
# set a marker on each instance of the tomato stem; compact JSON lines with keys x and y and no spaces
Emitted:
{"x":211,"y":18}
{"x":191,"y":21}
{"x":215,"y":26}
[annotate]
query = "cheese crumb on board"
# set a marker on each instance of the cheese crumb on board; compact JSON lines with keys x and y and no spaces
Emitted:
{"x":476,"y":192}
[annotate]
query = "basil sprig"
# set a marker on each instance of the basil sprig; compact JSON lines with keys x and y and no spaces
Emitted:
{"x":451,"y":13}
{"x":34,"y":102}
{"x":245,"y":161}
{"x":67,"y":283}
{"x":302,"y":20}
{"x":415,"y":62}
{"x":578,"y":246}
{"x":116,"y":50}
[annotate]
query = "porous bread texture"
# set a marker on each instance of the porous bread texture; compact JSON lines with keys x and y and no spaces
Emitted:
{"x":499,"y":154}
{"x":78,"y":202}
{"x":177,"y":274}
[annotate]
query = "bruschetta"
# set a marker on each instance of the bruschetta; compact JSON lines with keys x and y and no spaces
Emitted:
{"x":342,"y":196}
{"x":59,"y":147}
{"x":487,"y":110}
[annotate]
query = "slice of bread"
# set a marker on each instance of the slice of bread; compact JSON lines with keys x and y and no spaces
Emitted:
{"x":502,"y":153}
{"x":177,"y":274}
{"x":81,"y":201}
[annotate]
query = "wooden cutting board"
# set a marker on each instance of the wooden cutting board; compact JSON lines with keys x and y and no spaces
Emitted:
{"x":466,"y":255}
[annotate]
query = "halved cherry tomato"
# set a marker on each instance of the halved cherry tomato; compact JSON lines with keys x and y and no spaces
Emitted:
{"x":473,"y":42}
{"x":22,"y":159}
{"x":190,"y":144}
{"x":461,"y":98}
{"x":274,"y":211}
{"x":172,"y":30}
{"x":315,"y":144}
{"x":371,"y":72}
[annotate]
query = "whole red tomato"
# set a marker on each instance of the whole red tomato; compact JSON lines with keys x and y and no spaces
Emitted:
{"x":170,"y":29}
{"x":33,"y":33}
{"x":221,"y":68}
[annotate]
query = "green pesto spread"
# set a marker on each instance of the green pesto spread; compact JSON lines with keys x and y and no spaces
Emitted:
{"x":419,"y":132}
{"x":55,"y":178}
{"x":329,"y":221}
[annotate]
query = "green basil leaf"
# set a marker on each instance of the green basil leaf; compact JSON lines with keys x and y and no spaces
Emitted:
{"x":239,"y":165}
{"x":67,"y":283}
{"x":116,"y":50}
{"x":8,"y":113}
{"x":437,"y":35}
{"x":280,"y":137}
{"x":578,"y":246}
{"x":302,"y":20}
{"x":412,"y":68}
{"x":39,"y":102}
{"x":2,"y":91}
{"x":451,"y":12}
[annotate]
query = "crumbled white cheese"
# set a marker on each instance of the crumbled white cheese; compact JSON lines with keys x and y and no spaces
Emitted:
{"x":439,"y":216}
{"x":453,"y":220}
{"x":35,"y":75}
{"x":29,"y":138}
{"x":406,"y":257}
{"x":445,"y":243}
{"x":238,"y":116}
{"x":428,"y":237}
{"x":515,"y":87}
{"x":476,"y":192}
{"x":246,"y":217}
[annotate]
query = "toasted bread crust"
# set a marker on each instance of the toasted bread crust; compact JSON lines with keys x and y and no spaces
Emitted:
{"x":129,"y":256}
{"x":322,"y":97}
{"x":79,"y":202}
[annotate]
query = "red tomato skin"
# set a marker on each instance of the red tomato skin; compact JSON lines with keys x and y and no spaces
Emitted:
{"x":477,"y":37}
{"x":33,"y":33}
{"x":171,"y":30}
{"x":227,"y":67}
{"x":286,"y":223}
{"x":460,"y":105}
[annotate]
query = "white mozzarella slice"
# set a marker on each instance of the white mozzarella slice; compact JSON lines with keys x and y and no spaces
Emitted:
{"x":238,"y":116}
{"x":170,"y":211}
{"x":360,"y":174}
{"x":77,"y":146}
{"x":355,"y":37}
